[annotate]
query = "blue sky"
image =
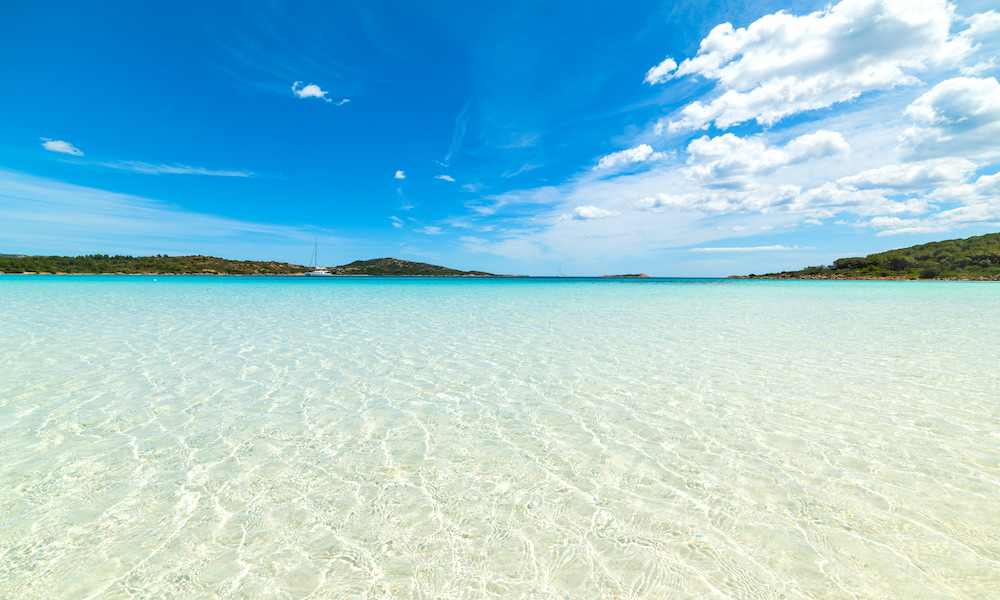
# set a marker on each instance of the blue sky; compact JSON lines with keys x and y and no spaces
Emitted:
{"x":672,"y":138}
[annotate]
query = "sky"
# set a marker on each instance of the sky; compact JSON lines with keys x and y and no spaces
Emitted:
{"x":677,"y":138}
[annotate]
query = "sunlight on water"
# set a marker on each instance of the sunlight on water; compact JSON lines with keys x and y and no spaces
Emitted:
{"x":413,"y":438}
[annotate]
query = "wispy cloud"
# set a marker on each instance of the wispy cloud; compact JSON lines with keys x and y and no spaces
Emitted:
{"x":458,"y":134}
{"x":43,"y":215}
{"x":175,"y":169}
{"x":775,"y":248}
{"x":60,"y":146}
{"x":445,"y":177}
{"x":396,"y":222}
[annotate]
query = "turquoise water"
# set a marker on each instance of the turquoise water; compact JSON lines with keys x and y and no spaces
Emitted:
{"x":177,"y":437}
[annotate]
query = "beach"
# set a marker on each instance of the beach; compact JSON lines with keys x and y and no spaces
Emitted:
{"x":286,"y":437}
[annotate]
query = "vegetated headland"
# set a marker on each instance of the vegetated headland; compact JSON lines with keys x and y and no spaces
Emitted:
{"x":972,"y":259}
{"x":160,"y":264}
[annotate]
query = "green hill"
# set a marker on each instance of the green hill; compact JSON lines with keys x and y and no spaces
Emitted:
{"x":971,"y":258}
{"x":131,"y":265}
{"x":210,"y":265}
{"x":396,"y":267}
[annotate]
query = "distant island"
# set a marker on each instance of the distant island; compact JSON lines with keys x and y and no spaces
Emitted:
{"x":97,"y":264}
{"x":975,"y":258}
{"x":394,"y":267}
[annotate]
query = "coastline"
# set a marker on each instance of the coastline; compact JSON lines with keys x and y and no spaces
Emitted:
{"x":857,"y":278}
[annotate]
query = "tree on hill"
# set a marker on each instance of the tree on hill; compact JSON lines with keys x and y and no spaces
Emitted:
{"x":970,"y":258}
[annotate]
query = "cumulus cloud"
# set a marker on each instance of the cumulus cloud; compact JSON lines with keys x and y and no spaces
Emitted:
{"x":445,"y":177}
{"x":661,"y":72}
{"x":980,"y":39}
{"x":400,"y":175}
{"x":867,"y":163}
{"x":731,"y":161}
{"x":983,"y":213}
{"x":756,"y":199}
{"x":313,"y":91}
{"x":913,"y":177}
{"x":832,"y":198}
{"x":783,"y":64}
{"x":586,"y":213}
{"x":641,"y":153}
{"x":985,"y":190}
{"x":957,"y":116}
{"x":982,"y":24}
{"x":60,"y":146}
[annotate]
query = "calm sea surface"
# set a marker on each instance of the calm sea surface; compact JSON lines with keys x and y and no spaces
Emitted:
{"x":438,"y":438}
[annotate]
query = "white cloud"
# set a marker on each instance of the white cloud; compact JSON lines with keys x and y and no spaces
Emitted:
{"x":475,"y":244}
{"x":661,"y":72}
{"x":760,"y":198}
{"x":784,"y":64}
{"x":313,"y":91}
{"x":590,"y":212}
{"x":641,"y":153}
{"x":445,"y":177}
{"x":844,"y":164}
{"x":60,"y":146}
{"x":396,"y":222}
{"x":400,"y":175}
{"x":150,"y":169}
{"x":431,"y":230}
{"x":775,"y":248}
{"x":912,"y":177}
{"x":982,"y":24}
{"x":985,"y":190}
{"x":957,"y":116}
{"x":56,"y":217}
{"x":731,"y":161}
{"x":831,"y":198}
{"x":985,"y":213}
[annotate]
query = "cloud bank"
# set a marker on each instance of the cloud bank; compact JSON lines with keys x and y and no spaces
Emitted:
{"x":919,"y":155}
{"x":783,"y":64}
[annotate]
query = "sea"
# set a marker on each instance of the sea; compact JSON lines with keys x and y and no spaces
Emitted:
{"x":425,"y":438}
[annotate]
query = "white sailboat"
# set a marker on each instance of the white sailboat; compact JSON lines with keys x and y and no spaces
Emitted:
{"x":317,"y":271}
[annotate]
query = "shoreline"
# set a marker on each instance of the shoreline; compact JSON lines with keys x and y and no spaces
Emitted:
{"x":856,"y":278}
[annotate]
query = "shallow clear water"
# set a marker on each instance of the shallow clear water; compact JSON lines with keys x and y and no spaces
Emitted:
{"x":422,"y":438}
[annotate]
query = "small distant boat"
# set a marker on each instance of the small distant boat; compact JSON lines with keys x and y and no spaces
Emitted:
{"x":317,"y":271}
